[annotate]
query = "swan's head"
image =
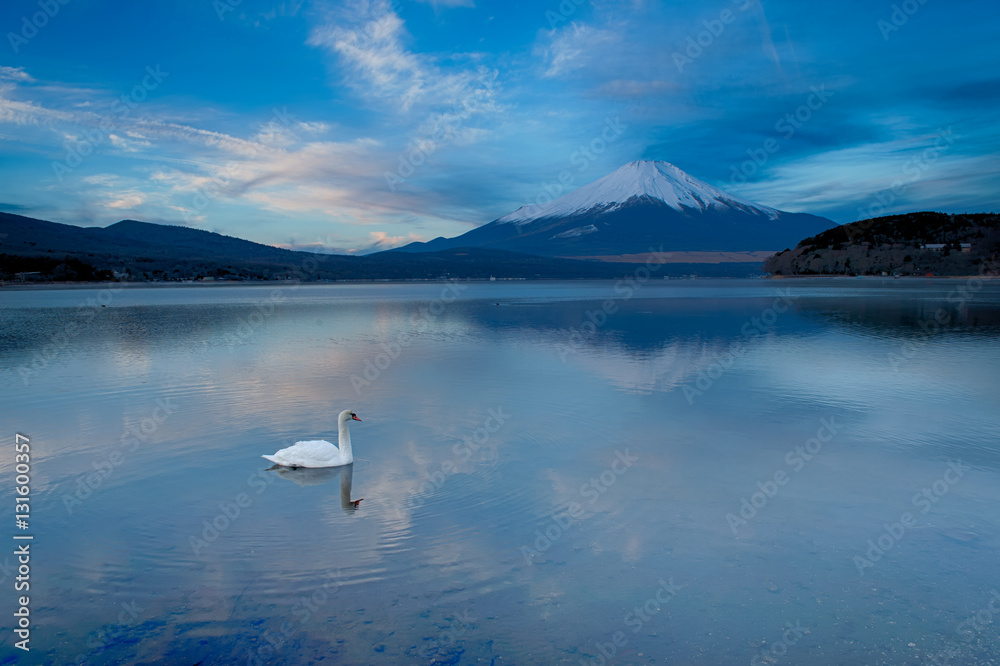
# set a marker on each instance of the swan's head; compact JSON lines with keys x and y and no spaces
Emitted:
{"x":348,"y":415}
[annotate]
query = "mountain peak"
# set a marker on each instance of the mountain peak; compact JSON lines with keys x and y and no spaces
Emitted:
{"x":655,"y":180}
{"x":641,"y":205}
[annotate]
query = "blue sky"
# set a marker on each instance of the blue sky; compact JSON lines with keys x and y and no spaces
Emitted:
{"x":353,"y":126}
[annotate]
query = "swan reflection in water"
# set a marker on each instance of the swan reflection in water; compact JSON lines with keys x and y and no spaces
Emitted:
{"x":315,"y":476}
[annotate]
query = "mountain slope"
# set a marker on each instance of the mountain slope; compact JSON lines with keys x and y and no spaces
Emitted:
{"x":909,"y":244}
{"x":26,"y":236}
{"x":640,"y":206}
{"x":144,"y":251}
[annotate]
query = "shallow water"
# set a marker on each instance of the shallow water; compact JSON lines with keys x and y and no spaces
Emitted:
{"x":656,"y":472}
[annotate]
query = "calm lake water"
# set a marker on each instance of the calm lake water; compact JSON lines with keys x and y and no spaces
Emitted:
{"x":667,"y":472}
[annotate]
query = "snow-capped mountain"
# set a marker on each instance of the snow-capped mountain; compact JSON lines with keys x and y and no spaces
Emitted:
{"x":642,"y":205}
{"x":660,"y":181}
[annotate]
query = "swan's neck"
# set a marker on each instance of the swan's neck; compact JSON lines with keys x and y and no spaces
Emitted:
{"x":344,"y":442}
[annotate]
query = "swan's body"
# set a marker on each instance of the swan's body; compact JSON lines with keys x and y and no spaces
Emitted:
{"x":319,"y":452}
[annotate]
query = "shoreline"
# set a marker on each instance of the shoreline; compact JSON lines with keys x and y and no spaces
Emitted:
{"x":883,"y":277}
{"x":48,"y":286}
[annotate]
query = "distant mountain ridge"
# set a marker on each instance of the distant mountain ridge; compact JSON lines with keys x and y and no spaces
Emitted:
{"x":641,"y":205}
{"x":152,"y":240}
{"x":143,"y":251}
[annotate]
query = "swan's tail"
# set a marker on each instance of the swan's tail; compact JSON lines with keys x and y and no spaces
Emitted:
{"x":272,"y":459}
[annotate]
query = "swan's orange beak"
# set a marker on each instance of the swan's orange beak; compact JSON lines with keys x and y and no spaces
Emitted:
{"x":355,"y":417}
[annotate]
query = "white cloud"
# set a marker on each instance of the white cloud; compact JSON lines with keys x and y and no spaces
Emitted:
{"x":383,"y":241}
{"x":574,"y":46}
{"x":15,"y":74}
{"x":313,"y":127}
{"x":99,"y":127}
{"x":382,"y":68}
{"x":130,"y":145}
{"x":128,"y":202}
{"x":374,"y":50}
{"x":28,"y":113}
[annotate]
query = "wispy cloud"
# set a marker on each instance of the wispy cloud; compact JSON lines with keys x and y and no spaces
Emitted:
{"x":380,"y":66}
{"x":371,"y":42}
{"x":29,"y":113}
{"x":127,"y":201}
{"x":896,"y":174}
{"x":14,"y":74}
{"x":380,"y":240}
{"x":572,"y":47}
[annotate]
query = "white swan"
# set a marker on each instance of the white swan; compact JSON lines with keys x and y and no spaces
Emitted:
{"x":318,"y":452}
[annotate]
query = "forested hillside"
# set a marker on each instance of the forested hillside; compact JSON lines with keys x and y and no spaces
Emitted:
{"x":910,"y":244}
